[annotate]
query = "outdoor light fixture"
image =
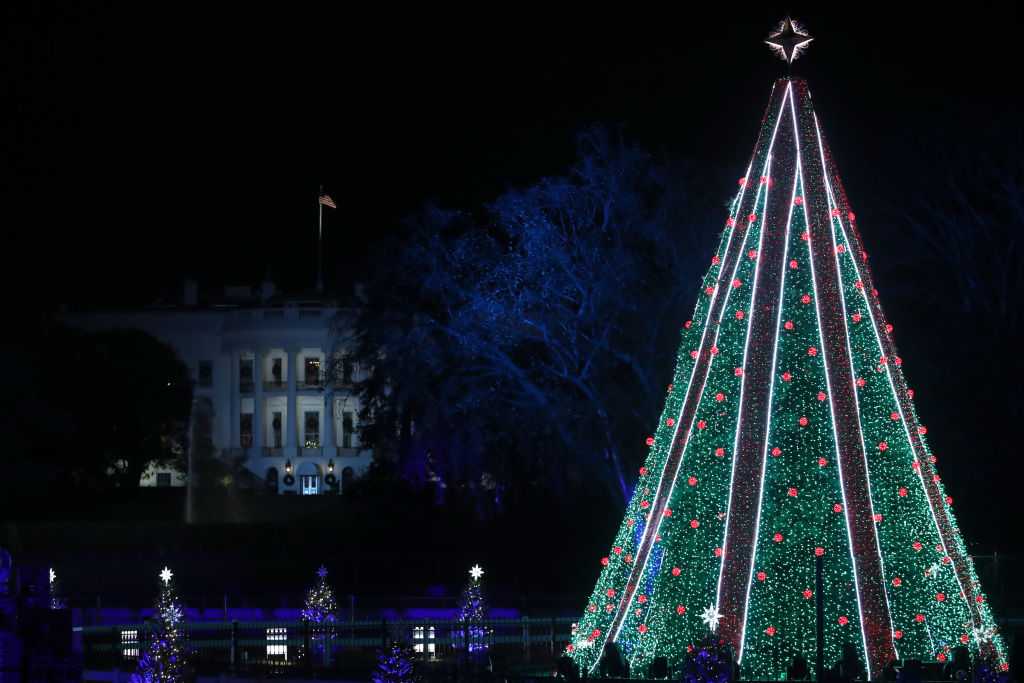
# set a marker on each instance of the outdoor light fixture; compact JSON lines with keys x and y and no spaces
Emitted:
{"x":288,"y":467}
{"x":330,"y":465}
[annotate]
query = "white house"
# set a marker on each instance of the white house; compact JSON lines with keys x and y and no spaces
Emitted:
{"x":274,"y":374}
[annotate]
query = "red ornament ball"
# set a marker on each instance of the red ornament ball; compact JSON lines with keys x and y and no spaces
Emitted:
{"x":730,"y":222}
{"x":883,"y":446}
{"x":888,"y":328}
{"x":793,"y":264}
{"x":808,"y":594}
{"x":792,"y":492}
{"x":805,"y":235}
{"x":688,"y":324}
{"x":752,"y":253}
{"x":841,"y":249}
{"x":860,"y":382}
{"x":897,"y":634}
{"x":786,"y":376}
{"x":877,"y":518}
{"x":761,"y":576}
{"x":856,"y":317}
{"x":738,"y":372}
{"x":718,"y":552}
{"x":836,"y":507}
{"x":919,"y":618}
{"x":670,"y":421}
{"x":720,"y":452}
{"x":777,"y":537}
{"x":979,"y":599}
{"x":805,"y":299}
{"x":719,"y":397}
{"x":676,"y":571}
{"x":742,"y":182}
{"x":922,"y":430}
{"x":709,"y":290}
{"x":668,"y":512}
{"x":739,"y":315}
{"x":617,"y":550}
{"x":822,"y":462}
{"x":910,"y":394}
{"x":776,"y":451}
{"x":714,"y":350}
{"x":591,"y":607}
{"x":701,"y":424}
{"x":940,"y":597}
{"x":752,"y":217}
{"x":941,"y":656}
{"x":819,"y":551}
{"x":693,"y":354}
{"x":641,"y":598}
{"x":811,"y":351}
{"x":650,"y":441}
{"x":604,"y":561}
{"x":902,"y":492}
{"x":692,"y":481}
{"x":852,"y":216}
{"x":803,"y":421}
{"x":610,"y":592}
{"x":645,"y":504}
{"x":770,"y":630}
{"x":680,"y":609}
{"x":894,"y":416}
{"x":897,"y":581}
{"x":694,"y":524}
{"x":821,"y":396}
{"x":642,"y":628}
{"x":798,"y":200}
{"x":916,"y":545}
{"x":964,"y":639}
{"x":835,"y":213}
{"x":788,"y":324}
{"x":737,"y":283}
{"x":843,"y":621}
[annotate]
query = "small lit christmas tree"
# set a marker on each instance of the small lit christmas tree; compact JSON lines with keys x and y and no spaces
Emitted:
{"x":56,"y":601}
{"x":321,"y":611}
{"x":394,"y":665}
{"x":472,"y":611}
{"x":164,"y":661}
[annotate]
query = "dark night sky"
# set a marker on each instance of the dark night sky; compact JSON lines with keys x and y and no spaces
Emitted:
{"x":146,"y":146}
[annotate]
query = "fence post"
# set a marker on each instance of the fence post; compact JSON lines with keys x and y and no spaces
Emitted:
{"x":234,"y":644}
{"x":526,"y":638}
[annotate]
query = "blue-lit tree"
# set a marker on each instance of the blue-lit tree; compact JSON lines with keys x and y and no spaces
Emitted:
{"x":165,"y":660}
{"x":394,"y":665}
{"x":472,"y":633}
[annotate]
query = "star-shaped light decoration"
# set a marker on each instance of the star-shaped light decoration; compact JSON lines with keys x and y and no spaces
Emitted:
{"x":166,"y":575}
{"x":53,"y":575}
{"x":476,"y":572}
{"x":933,"y":570}
{"x":788,"y":40}
{"x":322,"y":572}
{"x":984,"y":634}
{"x":711,"y":616}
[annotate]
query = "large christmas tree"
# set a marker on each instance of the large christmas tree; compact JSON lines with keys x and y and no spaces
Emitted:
{"x":789,"y":433}
{"x":164,"y":661}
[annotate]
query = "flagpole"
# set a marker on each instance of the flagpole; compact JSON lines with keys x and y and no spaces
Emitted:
{"x":320,"y":243}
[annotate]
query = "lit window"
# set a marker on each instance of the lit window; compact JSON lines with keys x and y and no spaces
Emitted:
{"x":424,"y":633}
{"x":310,"y":484}
{"x":130,"y":643}
{"x":277,"y":643}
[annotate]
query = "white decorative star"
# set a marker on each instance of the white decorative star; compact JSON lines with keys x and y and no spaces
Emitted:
{"x":933,"y":570}
{"x":166,"y":575}
{"x":788,"y":40}
{"x":984,"y":634}
{"x":53,"y":575}
{"x":711,"y":616}
{"x":322,"y":572}
{"x":476,"y":572}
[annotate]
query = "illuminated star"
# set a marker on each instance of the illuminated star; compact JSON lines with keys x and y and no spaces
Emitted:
{"x":984,"y":634}
{"x":476,"y":572}
{"x":788,"y":40}
{"x":933,"y":570}
{"x":711,"y":616}
{"x":322,"y":572}
{"x":53,"y":575}
{"x":166,"y":575}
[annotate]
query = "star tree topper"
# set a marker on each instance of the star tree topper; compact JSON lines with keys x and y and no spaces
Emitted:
{"x":476,"y":572}
{"x":788,"y":40}
{"x":166,"y":575}
{"x":711,"y":616}
{"x":322,"y":572}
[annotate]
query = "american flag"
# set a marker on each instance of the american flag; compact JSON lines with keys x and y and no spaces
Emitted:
{"x":326,"y":200}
